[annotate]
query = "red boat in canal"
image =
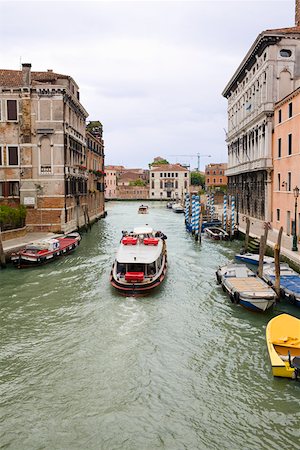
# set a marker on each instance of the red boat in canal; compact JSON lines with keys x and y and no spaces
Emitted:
{"x":45,"y":251}
{"x":141,"y":262}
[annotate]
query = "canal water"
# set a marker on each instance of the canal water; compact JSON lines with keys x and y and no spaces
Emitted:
{"x":84,"y":368}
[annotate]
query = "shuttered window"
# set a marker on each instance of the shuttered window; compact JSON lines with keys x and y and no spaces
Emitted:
{"x":11,"y":109}
{"x":13,"y":157}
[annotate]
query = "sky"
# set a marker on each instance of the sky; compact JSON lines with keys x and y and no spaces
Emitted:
{"x":152,"y":72}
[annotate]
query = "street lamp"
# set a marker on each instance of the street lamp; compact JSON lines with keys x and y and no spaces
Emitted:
{"x":296,"y":195}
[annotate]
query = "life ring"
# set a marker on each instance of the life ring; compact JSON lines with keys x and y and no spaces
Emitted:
{"x":236,"y":298}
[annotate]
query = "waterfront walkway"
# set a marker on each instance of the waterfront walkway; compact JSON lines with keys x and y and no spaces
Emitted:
{"x":12,"y":245}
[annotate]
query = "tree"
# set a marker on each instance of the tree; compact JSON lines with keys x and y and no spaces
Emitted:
{"x":158,"y":162}
{"x":197,"y":179}
{"x":138,"y":182}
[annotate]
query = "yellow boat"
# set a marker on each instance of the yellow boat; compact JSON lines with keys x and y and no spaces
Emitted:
{"x":283,"y":340}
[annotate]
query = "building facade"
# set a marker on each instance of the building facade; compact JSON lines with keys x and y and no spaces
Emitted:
{"x":42,"y":146}
{"x":168,"y":181}
{"x":286,"y":157}
{"x":112,"y":173}
{"x":269,"y":72}
{"x":95,"y":170}
{"x":215,"y":176}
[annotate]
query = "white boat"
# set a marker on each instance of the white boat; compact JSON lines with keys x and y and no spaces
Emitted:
{"x":143,"y":209}
{"x":177,"y":208}
{"x":252,"y":258}
{"x":141,"y":261}
{"x":289,"y":282}
{"x":169,"y":205}
{"x":244,"y":287}
{"x":216,"y":233}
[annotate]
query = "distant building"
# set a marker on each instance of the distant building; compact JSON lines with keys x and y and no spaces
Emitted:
{"x":215,"y":176}
{"x":95,"y":170}
{"x":112,"y":172}
{"x":126,"y":184}
{"x":42,"y":146}
{"x":286,"y":160}
{"x":168,"y":181}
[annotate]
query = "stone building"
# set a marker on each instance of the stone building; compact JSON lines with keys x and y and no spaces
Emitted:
{"x":42,"y":147}
{"x":168,"y":181}
{"x":95,"y":170}
{"x":268,"y":72}
{"x":215,"y":176}
{"x":112,"y":173}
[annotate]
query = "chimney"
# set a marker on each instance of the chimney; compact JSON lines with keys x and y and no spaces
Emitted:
{"x":26,"y":74}
{"x":297,"y":13}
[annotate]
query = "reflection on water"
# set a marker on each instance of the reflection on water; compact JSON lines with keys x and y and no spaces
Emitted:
{"x":82,"y":367}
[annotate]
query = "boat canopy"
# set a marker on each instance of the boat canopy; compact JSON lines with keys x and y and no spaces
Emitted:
{"x":139,"y":254}
{"x":143,"y":230}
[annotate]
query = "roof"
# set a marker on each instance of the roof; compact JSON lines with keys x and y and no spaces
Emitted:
{"x":263,"y":40}
{"x":143,"y":229}
{"x":139,"y":253}
{"x":114,"y":167}
{"x":14,"y":78}
{"x":168,"y":168}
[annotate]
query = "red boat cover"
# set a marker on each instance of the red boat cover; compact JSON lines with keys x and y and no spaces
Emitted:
{"x":134,"y":276}
{"x":129,"y":240}
{"x":150,"y":241}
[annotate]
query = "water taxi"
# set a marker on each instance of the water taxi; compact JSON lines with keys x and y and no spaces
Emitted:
{"x":178,"y":208}
{"x":244,"y":287}
{"x":143,"y":209}
{"x":141,"y":261}
{"x":45,"y":251}
{"x":283,"y":341}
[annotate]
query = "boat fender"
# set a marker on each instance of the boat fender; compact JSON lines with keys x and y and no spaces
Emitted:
{"x":236,"y":298}
{"x":224,"y":288}
{"x":292,"y":299}
{"x":269,"y":283}
{"x":282,"y":293}
{"x":231,"y":297}
{"x":218,"y":277}
{"x":42,"y":259}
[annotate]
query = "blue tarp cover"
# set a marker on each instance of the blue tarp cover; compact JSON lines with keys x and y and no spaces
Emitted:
{"x":290,"y":282}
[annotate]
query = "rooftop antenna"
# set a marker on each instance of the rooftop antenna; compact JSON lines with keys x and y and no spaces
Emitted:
{"x":197,"y":155}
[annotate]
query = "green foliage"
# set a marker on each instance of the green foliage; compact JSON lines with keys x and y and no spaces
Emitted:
{"x":11,"y":218}
{"x":138,"y":182}
{"x":160,"y":162}
{"x":197,"y":179}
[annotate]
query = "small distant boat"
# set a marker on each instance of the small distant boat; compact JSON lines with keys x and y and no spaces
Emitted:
{"x":283,"y":341}
{"x":216,"y":233}
{"x":141,"y":262}
{"x":210,"y":223}
{"x":244,"y":287}
{"x":252,"y":258}
{"x":177,"y":208}
{"x":46,"y":250}
{"x":289,"y":282}
{"x":143,"y":209}
{"x":169,"y":205}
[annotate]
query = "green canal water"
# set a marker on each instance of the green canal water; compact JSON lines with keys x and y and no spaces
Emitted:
{"x":84,"y":368}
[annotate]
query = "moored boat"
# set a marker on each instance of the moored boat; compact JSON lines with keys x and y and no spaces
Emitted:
{"x":177,"y":208}
{"x":216,"y":233}
{"x":253,"y":258}
{"x":143,"y":209}
{"x":289,"y":282}
{"x":283,"y":341}
{"x":244,"y":287}
{"x":46,"y":250}
{"x":141,"y":262}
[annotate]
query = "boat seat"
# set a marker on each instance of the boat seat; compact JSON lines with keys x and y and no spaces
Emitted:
{"x":241,"y":272}
{"x":286,"y":341}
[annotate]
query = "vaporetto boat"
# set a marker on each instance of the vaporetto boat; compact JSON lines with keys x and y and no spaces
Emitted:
{"x":141,"y":261}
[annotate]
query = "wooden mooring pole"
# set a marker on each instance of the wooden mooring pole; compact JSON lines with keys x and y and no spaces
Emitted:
{"x":262,"y":249}
{"x":277,"y":263}
{"x":247,"y":234}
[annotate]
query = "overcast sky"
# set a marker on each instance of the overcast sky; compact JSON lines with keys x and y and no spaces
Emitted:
{"x":152,"y":72}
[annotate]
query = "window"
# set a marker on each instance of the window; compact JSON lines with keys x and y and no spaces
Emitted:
{"x":13,"y":189}
{"x":278,"y":181}
{"x":278,"y":214}
{"x":2,"y":189}
{"x":11,"y":109}
{"x":165,"y":175}
{"x":161,"y":184}
{"x":152,"y":184}
{"x":176,"y":174}
{"x":214,"y":180}
{"x":279,"y":148}
{"x":290,"y":109}
{"x":289,"y":181}
{"x":285,"y":53}
{"x":185,"y":175}
{"x":221,"y":172}
{"x":207,"y":180}
{"x":221,"y":180}
{"x":152,"y":175}
{"x":172,"y":174}
{"x":161,"y":174}
{"x":289,"y":144}
{"x":13,"y":156}
{"x":169,"y":175}
{"x":279,"y":116}
{"x":1,"y":157}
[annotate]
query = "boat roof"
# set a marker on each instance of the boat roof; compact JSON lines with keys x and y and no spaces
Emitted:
{"x":145,"y":229}
{"x":139,"y":253}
